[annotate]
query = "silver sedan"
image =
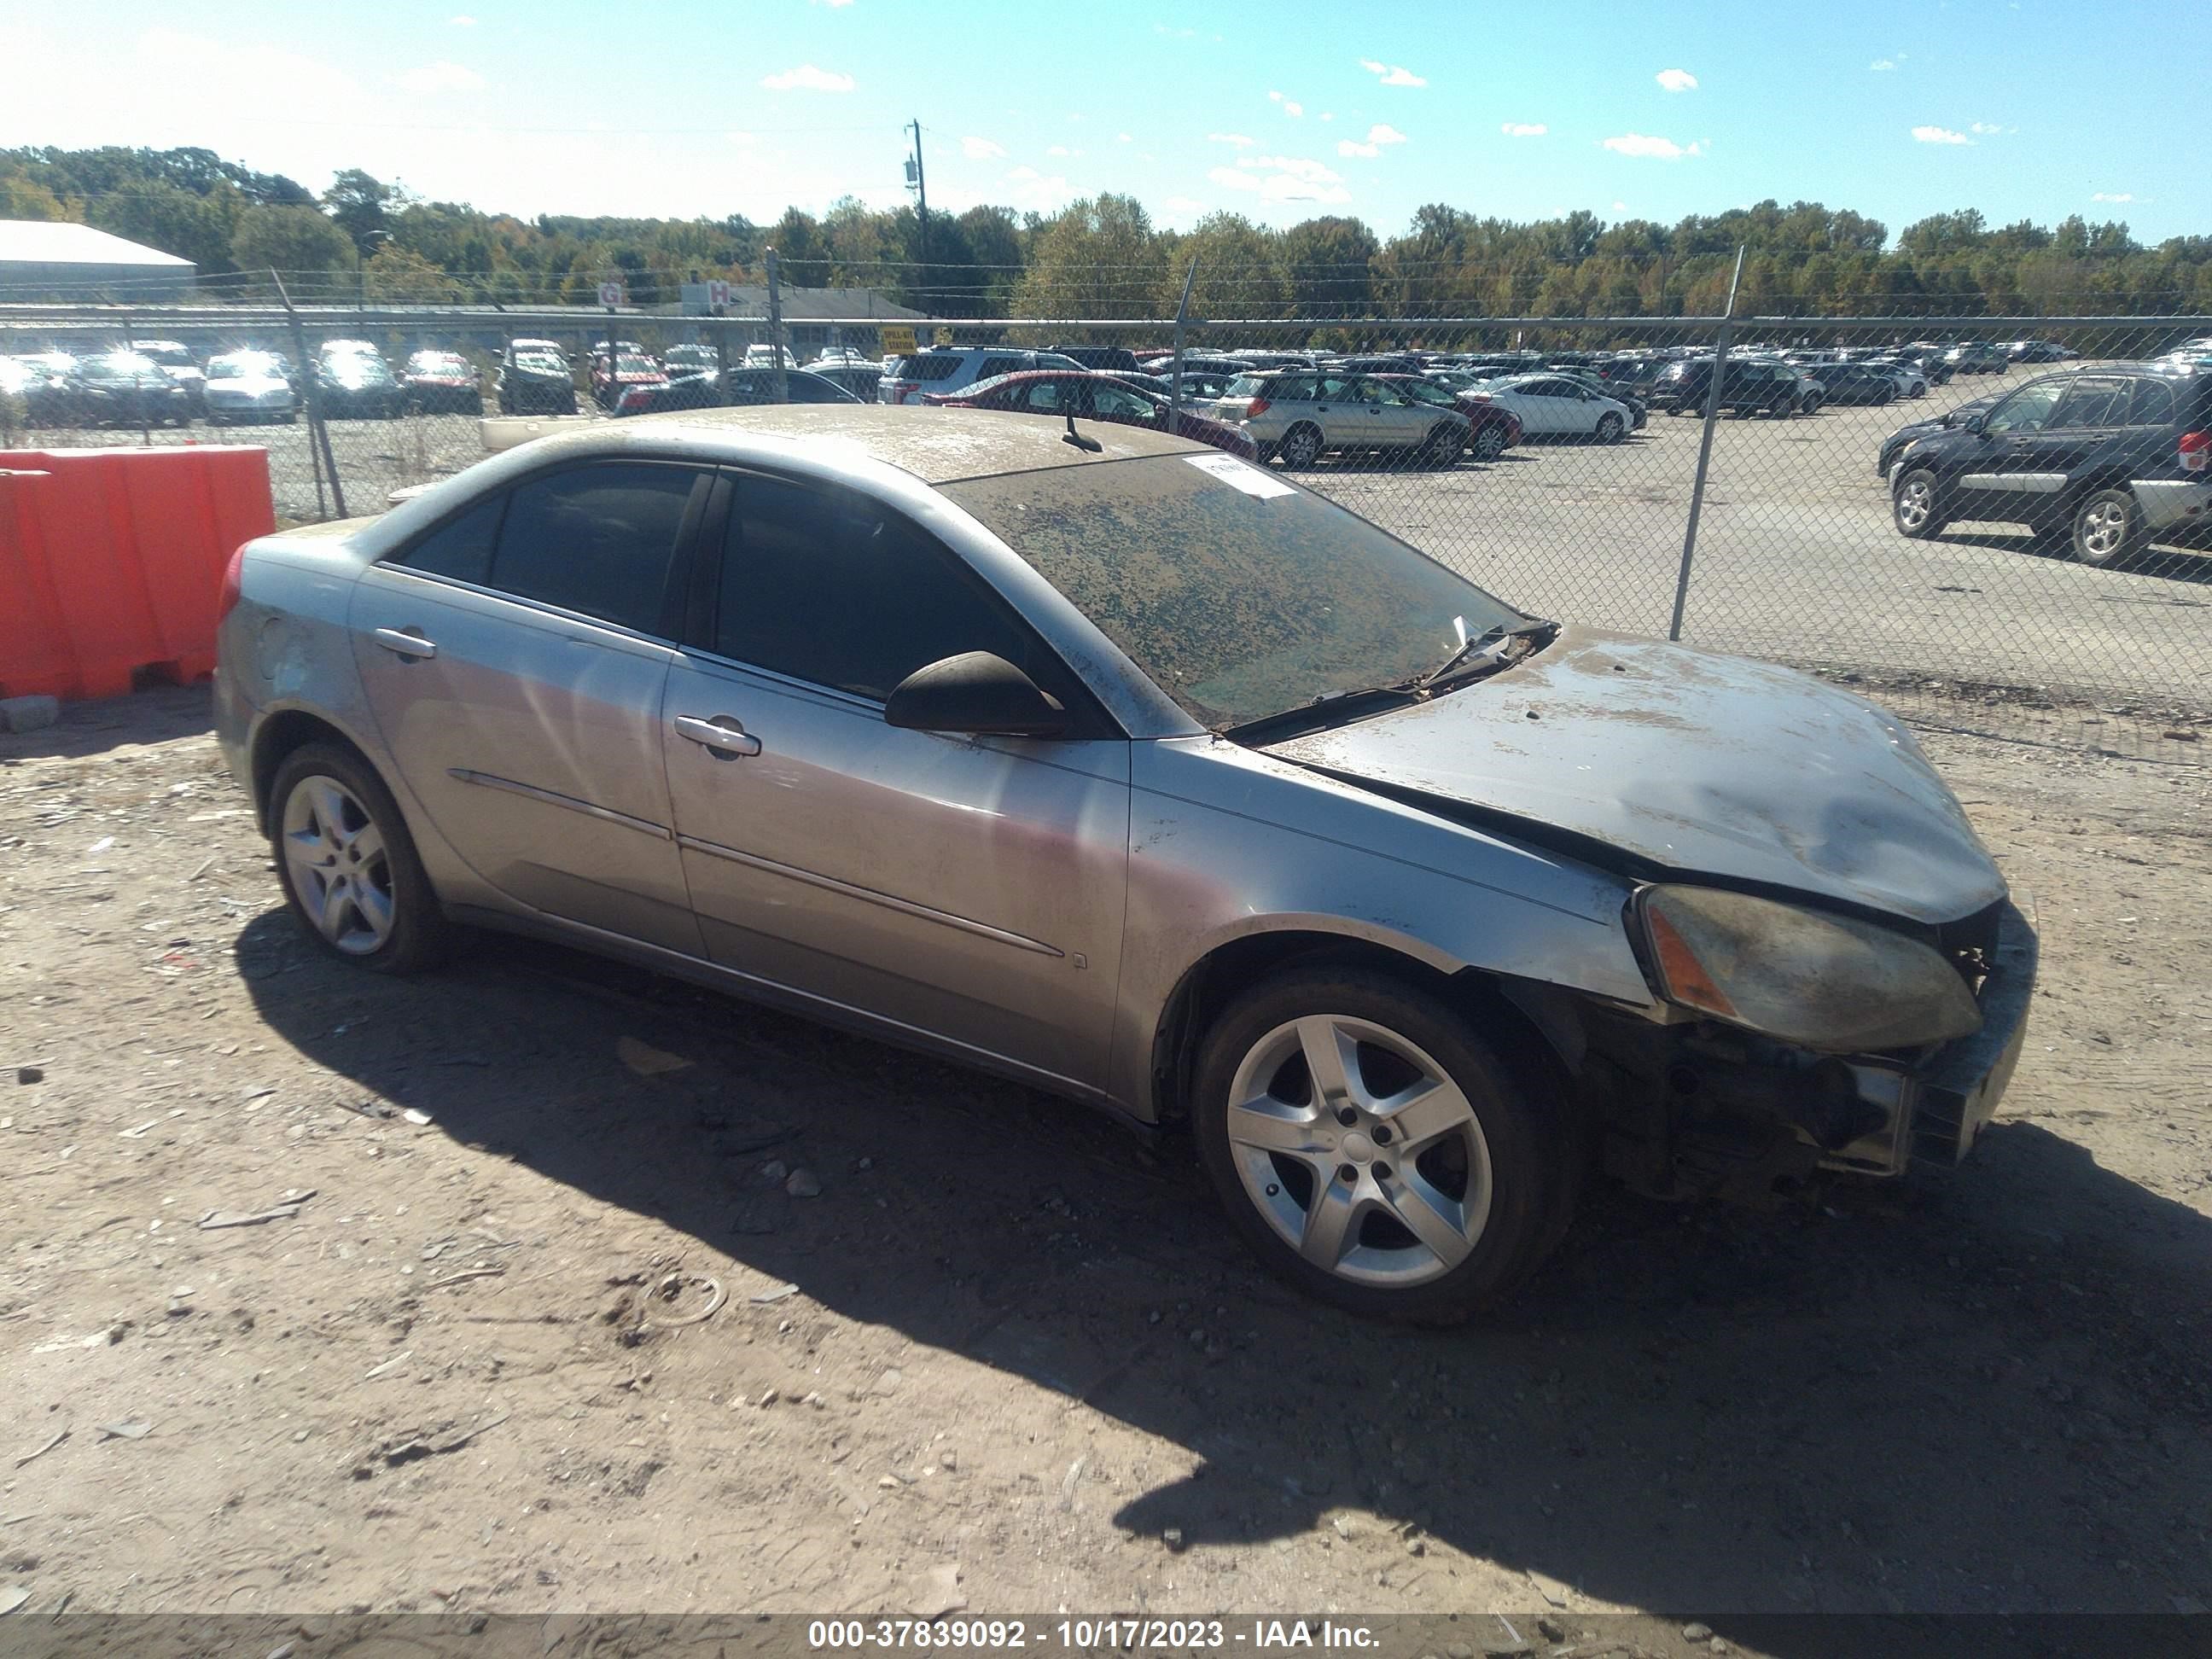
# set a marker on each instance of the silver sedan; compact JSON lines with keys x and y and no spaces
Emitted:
{"x":1119,"y":765}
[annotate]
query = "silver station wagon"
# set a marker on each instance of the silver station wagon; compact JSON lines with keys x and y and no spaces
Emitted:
{"x":1117,"y":764}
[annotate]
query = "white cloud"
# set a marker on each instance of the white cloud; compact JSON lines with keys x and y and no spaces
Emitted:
{"x":1328,"y":115}
{"x":1042,"y":190}
{"x":1677,"y":80}
{"x":1123,"y":138}
{"x":834,"y":5}
{"x":1620,"y":207}
{"x":1393,"y":75}
{"x":1285,"y":179}
{"x":1183,"y":205}
{"x":1985,"y":128}
{"x":1378,"y":135}
{"x":1173,"y":34}
{"x":1291,"y":105}
{"x":441,"y":76}
{"x":2113,"y":196}
{"x":1939,"y":136}
{"x":464,"y":21}
{"x":1233,"y":140}
{"x":1658,"y":149}
{"x":1882,"y":64}
{"x":1058,"y":150}
{"x":807,"y":78}
{"x":980,"y":149}
{"x":1524,"y":128}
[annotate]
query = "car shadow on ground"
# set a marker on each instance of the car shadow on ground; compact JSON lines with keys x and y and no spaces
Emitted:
{"x":1981,"y":1391}
{"x":158,"y":714}
{"x":2163,"y":559}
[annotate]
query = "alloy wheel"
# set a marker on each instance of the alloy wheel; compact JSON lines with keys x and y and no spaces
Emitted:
{"x":2103,"y":530}
{"x":1358,"y":1150}
{"x":1915,"y":502}
{"x":340,"y":871}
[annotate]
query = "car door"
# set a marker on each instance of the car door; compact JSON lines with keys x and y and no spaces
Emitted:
{"x":512,"y":659}
{"x":1547,"y":406}
{"x":2003,"y":466}
{"x":969,"y":888}
{"x":1336,"y":407}
{"x":1106,"y":402}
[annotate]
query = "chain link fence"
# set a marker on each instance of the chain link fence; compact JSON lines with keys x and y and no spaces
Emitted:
{"x":1988,"y":523}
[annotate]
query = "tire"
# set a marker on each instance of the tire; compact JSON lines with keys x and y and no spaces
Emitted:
{"x":375,"y":909}
{"x":2107,"y":527}
{"x":1301,"y":446}
{"x":1782,"y":408}
{"x":1611,"y":428}
{"x":1916,"y":506}
{"x":1490,"y":1186}
{"x":1490,"y":442}
{"x":1920,"y":391}
{"x":1886,"y":395}
{"x":1443,"y":447}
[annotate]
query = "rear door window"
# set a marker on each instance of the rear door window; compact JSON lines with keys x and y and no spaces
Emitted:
{"x":2153,"y":403}
{"x":460,"y":548}
{"x":598,"y":539}
{"x":928,"y":366}
{"x":2097,"y":401}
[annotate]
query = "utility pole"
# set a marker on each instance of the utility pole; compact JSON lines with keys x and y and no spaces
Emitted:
{"x":920,"y":186}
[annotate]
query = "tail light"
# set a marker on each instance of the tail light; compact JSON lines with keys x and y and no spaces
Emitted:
{"x":1255,"y":409}
{"x":2196,"y":451}
{"x":233,"y":584}
{"x":902,"y":389}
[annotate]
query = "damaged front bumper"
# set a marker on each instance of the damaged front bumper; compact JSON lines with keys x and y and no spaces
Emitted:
{"x":1699,"y":1109}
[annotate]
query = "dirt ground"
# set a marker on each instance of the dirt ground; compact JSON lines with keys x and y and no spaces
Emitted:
{"x":1007,"y":1355}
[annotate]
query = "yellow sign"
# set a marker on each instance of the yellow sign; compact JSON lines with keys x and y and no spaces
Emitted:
{"x":897,"y":341}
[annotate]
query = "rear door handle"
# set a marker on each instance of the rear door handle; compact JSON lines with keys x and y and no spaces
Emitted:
{"x":404,"y":643}
{"x":722,"y":734}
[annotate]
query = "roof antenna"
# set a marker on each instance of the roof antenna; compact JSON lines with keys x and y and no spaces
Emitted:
{"x":1089,"y":445}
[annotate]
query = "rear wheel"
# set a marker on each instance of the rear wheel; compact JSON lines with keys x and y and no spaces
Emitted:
{"x":1301,"y":446}
{"x":1914,"y":505}
{"x":1611,"y":428}
{"x":1443,"y":447}
{"x":351,"y":873}
{"x":1490,"y":442}
{"x":1375,"y":1150}
{"x":2107,"y":527}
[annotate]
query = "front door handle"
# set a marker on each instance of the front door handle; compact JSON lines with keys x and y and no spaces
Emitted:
{"x":722,"y":734}
{"x":405,"y":642}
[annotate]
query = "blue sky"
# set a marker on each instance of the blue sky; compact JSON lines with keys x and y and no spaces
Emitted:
{"x":1278,"y":109}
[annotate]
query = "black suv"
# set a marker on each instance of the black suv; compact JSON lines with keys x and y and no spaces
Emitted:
{"x":1751,"y":384}
{"x":2105,"y":457}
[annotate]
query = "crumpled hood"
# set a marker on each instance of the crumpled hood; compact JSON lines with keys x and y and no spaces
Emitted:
{"x":1698,"y":764}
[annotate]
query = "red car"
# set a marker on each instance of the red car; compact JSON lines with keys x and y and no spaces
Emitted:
{"x":1495,"y":429}
{"x":442,"y":380}
{"x":1059,"y":393}
{"x":632,"y":368}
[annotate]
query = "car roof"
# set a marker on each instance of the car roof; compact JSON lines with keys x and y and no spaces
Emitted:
{"x":936,"y":444}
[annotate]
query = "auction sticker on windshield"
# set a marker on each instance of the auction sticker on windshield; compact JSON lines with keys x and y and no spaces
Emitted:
{"x":1240,"y":475}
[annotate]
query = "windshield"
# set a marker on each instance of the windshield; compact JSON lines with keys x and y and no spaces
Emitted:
{"x":174,"y":357}
{"x":239,"y":368}
{"x":1422,"y":391}
{"x":1240,"y":595}
{"x":117,"y":366}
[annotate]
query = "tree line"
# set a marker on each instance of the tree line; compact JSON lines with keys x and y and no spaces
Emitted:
{"x":1104,"y":257}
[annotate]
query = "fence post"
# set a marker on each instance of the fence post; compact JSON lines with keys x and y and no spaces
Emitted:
{"x":1175,"y":386}
{"x":1705,"y":453}
{"x":776,"y":380}
{"x":319,"y":435}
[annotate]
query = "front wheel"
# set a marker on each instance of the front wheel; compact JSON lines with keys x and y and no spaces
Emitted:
{"x":1490,"y":442}
{"x":351,"y":873}
{"x":1443,"y":447}
{"x":1373,"y":1148}
{"x":1611,"y":428}
{"x":1913,"y":506}
{"x":2107,"y":527}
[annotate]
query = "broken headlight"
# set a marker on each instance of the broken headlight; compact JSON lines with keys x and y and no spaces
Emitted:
{"x":1827,"y":982}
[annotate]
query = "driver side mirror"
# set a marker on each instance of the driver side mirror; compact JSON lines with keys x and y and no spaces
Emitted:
{"x":1974,"y":422}
{"x":976,"y":694}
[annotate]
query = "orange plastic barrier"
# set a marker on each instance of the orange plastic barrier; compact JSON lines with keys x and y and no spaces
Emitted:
{"x":111,"y":561}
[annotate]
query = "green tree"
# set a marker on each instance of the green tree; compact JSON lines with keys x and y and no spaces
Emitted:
{"x":289,"y":240}
{"x":156,"y":215}
{"x":1326,"y":261}
{"x":399,"y":275}
{"x":1097,"y":258}
{"x":358,"y":204}
{"x":1240,"y":272}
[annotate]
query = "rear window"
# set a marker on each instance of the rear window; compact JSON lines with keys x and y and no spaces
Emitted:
{"x":993,"y":366}
{"x":1244,"y":385}
{"x":925,"y":366}
{"x":2153,"y":404}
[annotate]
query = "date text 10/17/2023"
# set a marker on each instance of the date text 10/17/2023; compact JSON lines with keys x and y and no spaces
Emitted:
{"x":1086,"y":1635}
